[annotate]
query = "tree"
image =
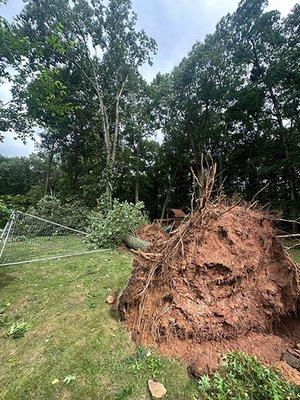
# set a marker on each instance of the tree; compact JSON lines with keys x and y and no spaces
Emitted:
{"x":100,"y":45}
{"x":139,"y":126}
{"x":235,"y":97}
{"x":14,"y":175}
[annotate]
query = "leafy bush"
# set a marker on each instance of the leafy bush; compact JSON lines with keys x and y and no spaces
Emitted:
{"x":242,"y":377}
{"x":72,"y":214}
{"x":109,"y":227}
{"x":9,"y":203}
{"x":18,"y":202}
{"x":4,"y":214}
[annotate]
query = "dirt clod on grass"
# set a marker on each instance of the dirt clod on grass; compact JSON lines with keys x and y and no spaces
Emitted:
{"x":222,"y":280}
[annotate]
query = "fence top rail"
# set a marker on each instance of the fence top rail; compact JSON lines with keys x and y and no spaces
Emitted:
{"x":53,"y":258}
{"x":51,"y":222}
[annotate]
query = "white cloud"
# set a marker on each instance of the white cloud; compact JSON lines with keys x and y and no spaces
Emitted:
{"x":5,"y":94}
{"x":284,"y":6}
{"x":15,"y":147}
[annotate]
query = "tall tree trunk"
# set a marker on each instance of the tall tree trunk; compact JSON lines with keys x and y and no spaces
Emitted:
{"x":220,"y":166}
{"x":48,"y":171}
{"x":109,"y":192}
{"x":110,"y":139}
{"x":163,"y":211}
{"x":137,"y":172}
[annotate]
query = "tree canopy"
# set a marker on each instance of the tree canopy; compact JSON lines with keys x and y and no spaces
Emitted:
{"x":234,"y":98}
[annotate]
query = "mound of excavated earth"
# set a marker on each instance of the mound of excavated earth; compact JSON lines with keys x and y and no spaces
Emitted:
{"x":221,"y":281}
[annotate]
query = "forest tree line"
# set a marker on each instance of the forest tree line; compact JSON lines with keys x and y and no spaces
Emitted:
{"x":75,"y":74}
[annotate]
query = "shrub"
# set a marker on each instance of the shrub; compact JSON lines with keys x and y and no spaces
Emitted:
{"x":4,"y":214}
{"x":72,"y":213}
{"x":109,"y":227}
{"x":242,"y":377}
{"x":9,"y":203}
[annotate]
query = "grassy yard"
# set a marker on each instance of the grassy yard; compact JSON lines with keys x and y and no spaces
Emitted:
{"x":74,"y":347}
{"x":43,"y":247}
{"x":73,"y":333}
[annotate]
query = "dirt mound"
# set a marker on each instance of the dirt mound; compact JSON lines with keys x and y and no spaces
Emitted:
{"x":222,"y":276}
{"x":151,"y":233}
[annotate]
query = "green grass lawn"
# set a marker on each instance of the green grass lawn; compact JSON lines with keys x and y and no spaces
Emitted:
{"x":42,"y":247}
{"x":72,"y":332}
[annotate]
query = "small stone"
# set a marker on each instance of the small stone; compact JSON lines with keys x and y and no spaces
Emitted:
{"x":156,"y":389}
{"x":298,"y":346}
{"x":111,"y":298}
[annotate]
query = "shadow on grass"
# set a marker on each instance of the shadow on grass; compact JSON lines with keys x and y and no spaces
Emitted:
{"x":113,"y":313}
{"x":5,"y":277}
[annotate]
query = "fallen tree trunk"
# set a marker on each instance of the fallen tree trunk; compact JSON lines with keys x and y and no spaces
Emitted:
{"x":135,"y":243}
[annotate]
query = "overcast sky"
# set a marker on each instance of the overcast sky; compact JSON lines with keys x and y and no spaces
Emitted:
{"x":175,"y":24}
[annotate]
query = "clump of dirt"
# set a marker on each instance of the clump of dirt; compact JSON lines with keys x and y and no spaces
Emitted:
{"x":151,"y":233}
{"x":222,"y":280}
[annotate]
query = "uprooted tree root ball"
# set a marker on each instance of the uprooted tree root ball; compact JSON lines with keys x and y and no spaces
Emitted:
{"x":220,"y":277}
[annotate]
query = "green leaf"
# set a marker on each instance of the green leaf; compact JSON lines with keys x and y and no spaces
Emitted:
{"x":70,"y":378}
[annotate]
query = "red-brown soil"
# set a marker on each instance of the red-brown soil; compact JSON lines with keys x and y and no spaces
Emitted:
{"x":151,"y":233}
{"x":221,"y":281}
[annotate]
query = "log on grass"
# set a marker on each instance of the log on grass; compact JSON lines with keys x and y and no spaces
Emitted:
{"x":136,"y":243}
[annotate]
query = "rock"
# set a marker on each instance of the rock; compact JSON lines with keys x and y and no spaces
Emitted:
{"x":112,"y":298}
{"x":297,"y":346}
{"x":156,"y":389}
{"x":292,"y":357}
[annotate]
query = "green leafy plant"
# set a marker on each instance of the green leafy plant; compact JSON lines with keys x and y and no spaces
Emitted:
{"x":144,"y":359}
{"x":242,"y":377}
{"x":18,"y":330}
{"x":4,"y":213}
{"x":71,"y":214}
{"x":109,"y":227}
